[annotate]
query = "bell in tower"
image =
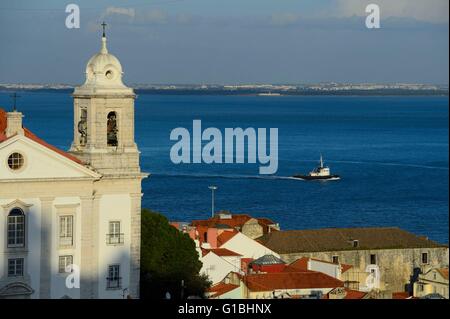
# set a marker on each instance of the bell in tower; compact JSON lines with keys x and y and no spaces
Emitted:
{"x":104,"y":117}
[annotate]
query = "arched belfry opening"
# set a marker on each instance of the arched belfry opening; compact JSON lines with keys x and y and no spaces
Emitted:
{"x":112,"y":129}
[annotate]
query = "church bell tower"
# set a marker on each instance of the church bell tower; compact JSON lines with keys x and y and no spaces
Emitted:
{"x":104,"y":117}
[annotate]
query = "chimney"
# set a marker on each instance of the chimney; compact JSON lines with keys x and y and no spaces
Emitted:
{"x":14,"y":124}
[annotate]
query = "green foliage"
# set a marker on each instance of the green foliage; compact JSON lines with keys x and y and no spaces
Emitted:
{"x":168,"y":257}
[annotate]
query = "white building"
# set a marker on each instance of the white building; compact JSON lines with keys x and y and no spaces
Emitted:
{"x":81,"y":207}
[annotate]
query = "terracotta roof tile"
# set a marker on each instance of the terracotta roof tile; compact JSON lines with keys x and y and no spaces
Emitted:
{"x":290,"y":280}
{"x":400,"y":295}
{"x":354,"y":294}
{"x":221,"y":288}
{"x":30,"y":135}
{"x":443,"y":272}
{"x":222,"y":252}
{"x":235,"y":221}
{"x":225,"y":236}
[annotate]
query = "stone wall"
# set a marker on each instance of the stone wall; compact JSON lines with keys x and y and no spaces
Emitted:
{"x":396,"y":265}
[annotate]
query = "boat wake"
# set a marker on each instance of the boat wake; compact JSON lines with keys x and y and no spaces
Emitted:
{"x":223,"y":176}
{"x":393,"y":164}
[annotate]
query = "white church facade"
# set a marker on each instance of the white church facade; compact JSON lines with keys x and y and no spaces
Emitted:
{"x":80,"y":207}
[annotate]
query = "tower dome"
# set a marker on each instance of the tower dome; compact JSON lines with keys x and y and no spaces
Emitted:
{"x":103,"y":74}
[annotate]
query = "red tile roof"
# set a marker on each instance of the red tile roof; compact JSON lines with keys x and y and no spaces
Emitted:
{"x":226,"y":236}
{"x":354,"y":294}
{"x":236,"y":220}
{"x":345,"y":267}
{"x":300,"y":264}
{"x":30,"y":135}
{"x":443,"y":272}
{"x":400,"y":295}
{"x":222,"y":252}
{"x":290,"y":280}
{"x":221,"y":288}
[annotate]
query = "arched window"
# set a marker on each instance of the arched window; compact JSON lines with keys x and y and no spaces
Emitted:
{"x":16,"y":228}
{"x":112,"y":129}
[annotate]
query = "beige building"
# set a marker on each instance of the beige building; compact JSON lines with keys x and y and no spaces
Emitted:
{"x":384,"y":260}
{"x":74,"y":214}
{"x":432,"y":282}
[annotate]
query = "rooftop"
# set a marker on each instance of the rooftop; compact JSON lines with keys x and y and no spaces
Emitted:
{"x":290,"y":280}
{"x":226,"y":219}
{"x":222,"y":252}
{"x":30,"y":135}
{"x":268,"y":260}
{"x":337,"y":239}
{"x":220,"y":289}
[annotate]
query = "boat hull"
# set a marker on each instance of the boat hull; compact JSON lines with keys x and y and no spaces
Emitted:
{"x":317,"y":178}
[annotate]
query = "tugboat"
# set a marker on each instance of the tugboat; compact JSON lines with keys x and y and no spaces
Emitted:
{"x":321,"y":173}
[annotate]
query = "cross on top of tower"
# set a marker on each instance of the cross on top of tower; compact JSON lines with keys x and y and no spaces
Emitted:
{"x":104,"y":26}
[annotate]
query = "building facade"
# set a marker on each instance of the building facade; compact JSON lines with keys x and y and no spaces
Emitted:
{"x":70,"y":225}
{"x":384,"y":260}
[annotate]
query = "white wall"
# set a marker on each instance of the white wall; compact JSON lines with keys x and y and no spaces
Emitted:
{"x":247,"y":247}
{"x":326,"y":268}
{"x":114,"y":208}
{"x":216,"y":267}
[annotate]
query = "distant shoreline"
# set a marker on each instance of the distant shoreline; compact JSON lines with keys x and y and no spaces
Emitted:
{"x":381,"y":92}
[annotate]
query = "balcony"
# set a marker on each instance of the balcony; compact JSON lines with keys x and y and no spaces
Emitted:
{"x":115,"y":239}
{"x":114,"y":283}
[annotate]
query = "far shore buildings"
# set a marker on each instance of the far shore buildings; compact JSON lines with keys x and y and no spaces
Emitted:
{"x":74,"y":213}
{"x":333,"y":263}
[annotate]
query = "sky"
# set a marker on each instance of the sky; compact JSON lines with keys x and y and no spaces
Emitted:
{"x":228,"y":41}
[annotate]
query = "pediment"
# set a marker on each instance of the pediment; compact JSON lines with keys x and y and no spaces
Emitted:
{"x":40,"y":162}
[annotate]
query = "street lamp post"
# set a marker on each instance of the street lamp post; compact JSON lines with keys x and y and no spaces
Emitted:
{"x":212,"y":188}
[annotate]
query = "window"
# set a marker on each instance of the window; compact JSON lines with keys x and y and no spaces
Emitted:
{"x":113,"y":281}
{"x":64,"y":261}
{"x":424,"y":258}
{"x":355,"y":243}
{"x":115,"y":236}
{"x":112,"y":130}
{"x":335,"y":259}
{"x":66,"y":230}
{"x":15,"y":267}
{"x":16,"y":228}
{"x":373,"y":259}
{"x":15,"y":161}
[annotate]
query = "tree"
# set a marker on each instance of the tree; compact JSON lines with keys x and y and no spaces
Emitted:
{"x":168,"y":258}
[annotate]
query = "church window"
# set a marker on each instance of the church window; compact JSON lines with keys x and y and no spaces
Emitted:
{"x":113,"y":281}
{"x":112,"y":129}
{"x":15,"y":267}
{"x":65,"y":261}
{"x":15,"y":161}
{"x":16,"y":228}
{"x":66,"y":230}
{"x":115,"y":236}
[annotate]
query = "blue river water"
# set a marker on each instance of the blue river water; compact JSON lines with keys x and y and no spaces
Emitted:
{"x":392,"y":154}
